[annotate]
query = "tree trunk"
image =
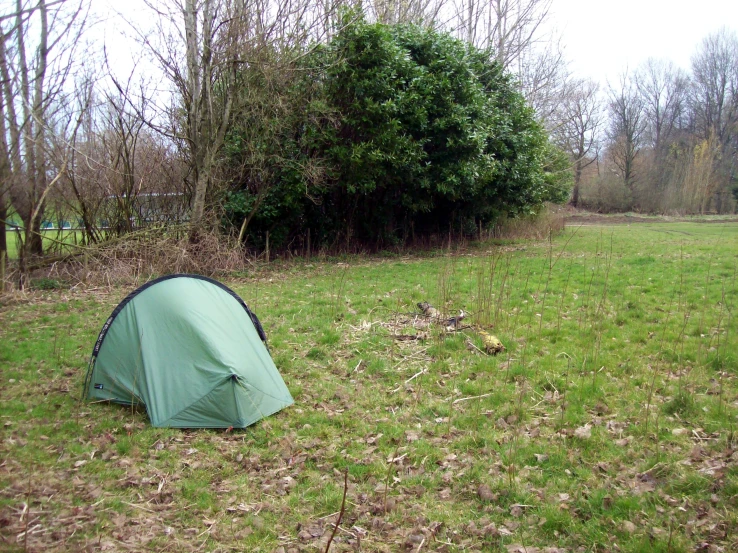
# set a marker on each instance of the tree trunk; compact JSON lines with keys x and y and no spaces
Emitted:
{"x":33,"y":244}
{"x":577,"y":178}
{"x":198,"y":204}
{"x":5,"y":180}
{"x":575,"y":195}
{"x":34,"y":133}
{"x":3,"y":225}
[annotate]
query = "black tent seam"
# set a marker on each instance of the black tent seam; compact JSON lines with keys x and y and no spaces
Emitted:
{"x":137,"y":291}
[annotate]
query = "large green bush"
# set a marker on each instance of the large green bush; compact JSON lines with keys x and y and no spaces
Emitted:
{"x":385,"y":132}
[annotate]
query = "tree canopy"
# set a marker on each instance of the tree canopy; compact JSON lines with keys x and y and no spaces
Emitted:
{"x":398,"y":130}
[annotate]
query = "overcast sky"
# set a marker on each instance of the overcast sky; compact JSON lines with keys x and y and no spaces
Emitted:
{"x":601,"y":37}
{"x":604,"y":37}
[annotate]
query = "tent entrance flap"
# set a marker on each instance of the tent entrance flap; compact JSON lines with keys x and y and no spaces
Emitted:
{"x":218,"y":409}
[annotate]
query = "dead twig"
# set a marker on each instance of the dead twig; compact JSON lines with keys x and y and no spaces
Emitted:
{"x":137,"y":506}
{"x":411,"y":356}
{"x":340,"y":514}
{"x":471,"y":397}
{"x":470,"y":343}
{"x":413,"y":377}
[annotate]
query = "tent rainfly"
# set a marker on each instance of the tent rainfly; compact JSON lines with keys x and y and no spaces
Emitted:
{"x":190,"y":350}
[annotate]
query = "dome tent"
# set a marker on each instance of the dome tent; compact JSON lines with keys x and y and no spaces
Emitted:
{"x":190,"y":350}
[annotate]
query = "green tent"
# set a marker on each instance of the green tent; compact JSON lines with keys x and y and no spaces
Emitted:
{"x":190,"y":350}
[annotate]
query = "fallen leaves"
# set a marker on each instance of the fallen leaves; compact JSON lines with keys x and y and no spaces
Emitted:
{"x":485,"y":493}
{"x":518,"y":548}
{"x":583,"y":432}
{"x":517,"y":509}
{"x":412,"y":435}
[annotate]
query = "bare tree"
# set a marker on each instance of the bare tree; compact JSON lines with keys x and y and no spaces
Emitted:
{"x":580,"y":115}
{"x":663,"y":89}
{"x":84,"y":159}
{"x":508,"y":27}
{"x":627,"y":128}
{"x":121,"y":175}
{"x":120,"y":140}
{"x":714,"y":106}
{"x":715,"y":86}
{"x":210,"y":66}
{"x":545,"y":81}
{"x":37,"y":46}
{"x":392,"y":12}
{"x":3,"y":217}
{"x":324,"y":17}
{"x":5,"y":175}
{"x":105,"y":176}
{"x":202,"y":45}
{"x":513,"y":31}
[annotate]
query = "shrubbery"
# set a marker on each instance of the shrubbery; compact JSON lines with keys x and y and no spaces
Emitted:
{"x":387,"y":132}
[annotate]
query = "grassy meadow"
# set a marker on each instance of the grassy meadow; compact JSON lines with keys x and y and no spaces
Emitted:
{"x":608,"y":424}
{"x":51,"y":238}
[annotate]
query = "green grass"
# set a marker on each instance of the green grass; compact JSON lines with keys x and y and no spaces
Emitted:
{"x":50,"y":239}
{"x":607,"y":424}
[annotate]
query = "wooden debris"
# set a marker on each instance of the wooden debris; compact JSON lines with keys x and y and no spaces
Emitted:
{"x":428,"y":310}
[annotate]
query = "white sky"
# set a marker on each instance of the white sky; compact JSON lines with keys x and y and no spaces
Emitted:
{"x":601,"y":37}
{"x":604,"y":37}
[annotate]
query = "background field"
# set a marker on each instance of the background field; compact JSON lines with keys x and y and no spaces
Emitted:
{"x":50,"y":238}
{"x":606,"y":425}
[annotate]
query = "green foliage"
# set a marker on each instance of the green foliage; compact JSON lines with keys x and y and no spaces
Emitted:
{"x":557,"y":175}
{"x":682,"y":404}
{"x":45,"y":283}
{"x":386,"y":132}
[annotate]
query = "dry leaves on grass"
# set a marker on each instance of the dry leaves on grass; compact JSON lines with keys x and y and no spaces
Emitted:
{"x":518,"y":548}
{"x":583,"y":432}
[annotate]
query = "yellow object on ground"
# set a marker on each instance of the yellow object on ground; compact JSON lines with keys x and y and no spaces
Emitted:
{"x":492,"y":344}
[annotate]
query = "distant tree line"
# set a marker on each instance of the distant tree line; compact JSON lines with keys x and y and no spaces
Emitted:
{"x":660,"y":139}
{"x":346,"y":122}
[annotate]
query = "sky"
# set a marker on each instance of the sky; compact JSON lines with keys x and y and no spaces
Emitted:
{"x":604,"y":38}
{"x":601,"y":38}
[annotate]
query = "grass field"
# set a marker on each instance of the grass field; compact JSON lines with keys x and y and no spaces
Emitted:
{"x":67,"y":236}
{"x":608,"y":424}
